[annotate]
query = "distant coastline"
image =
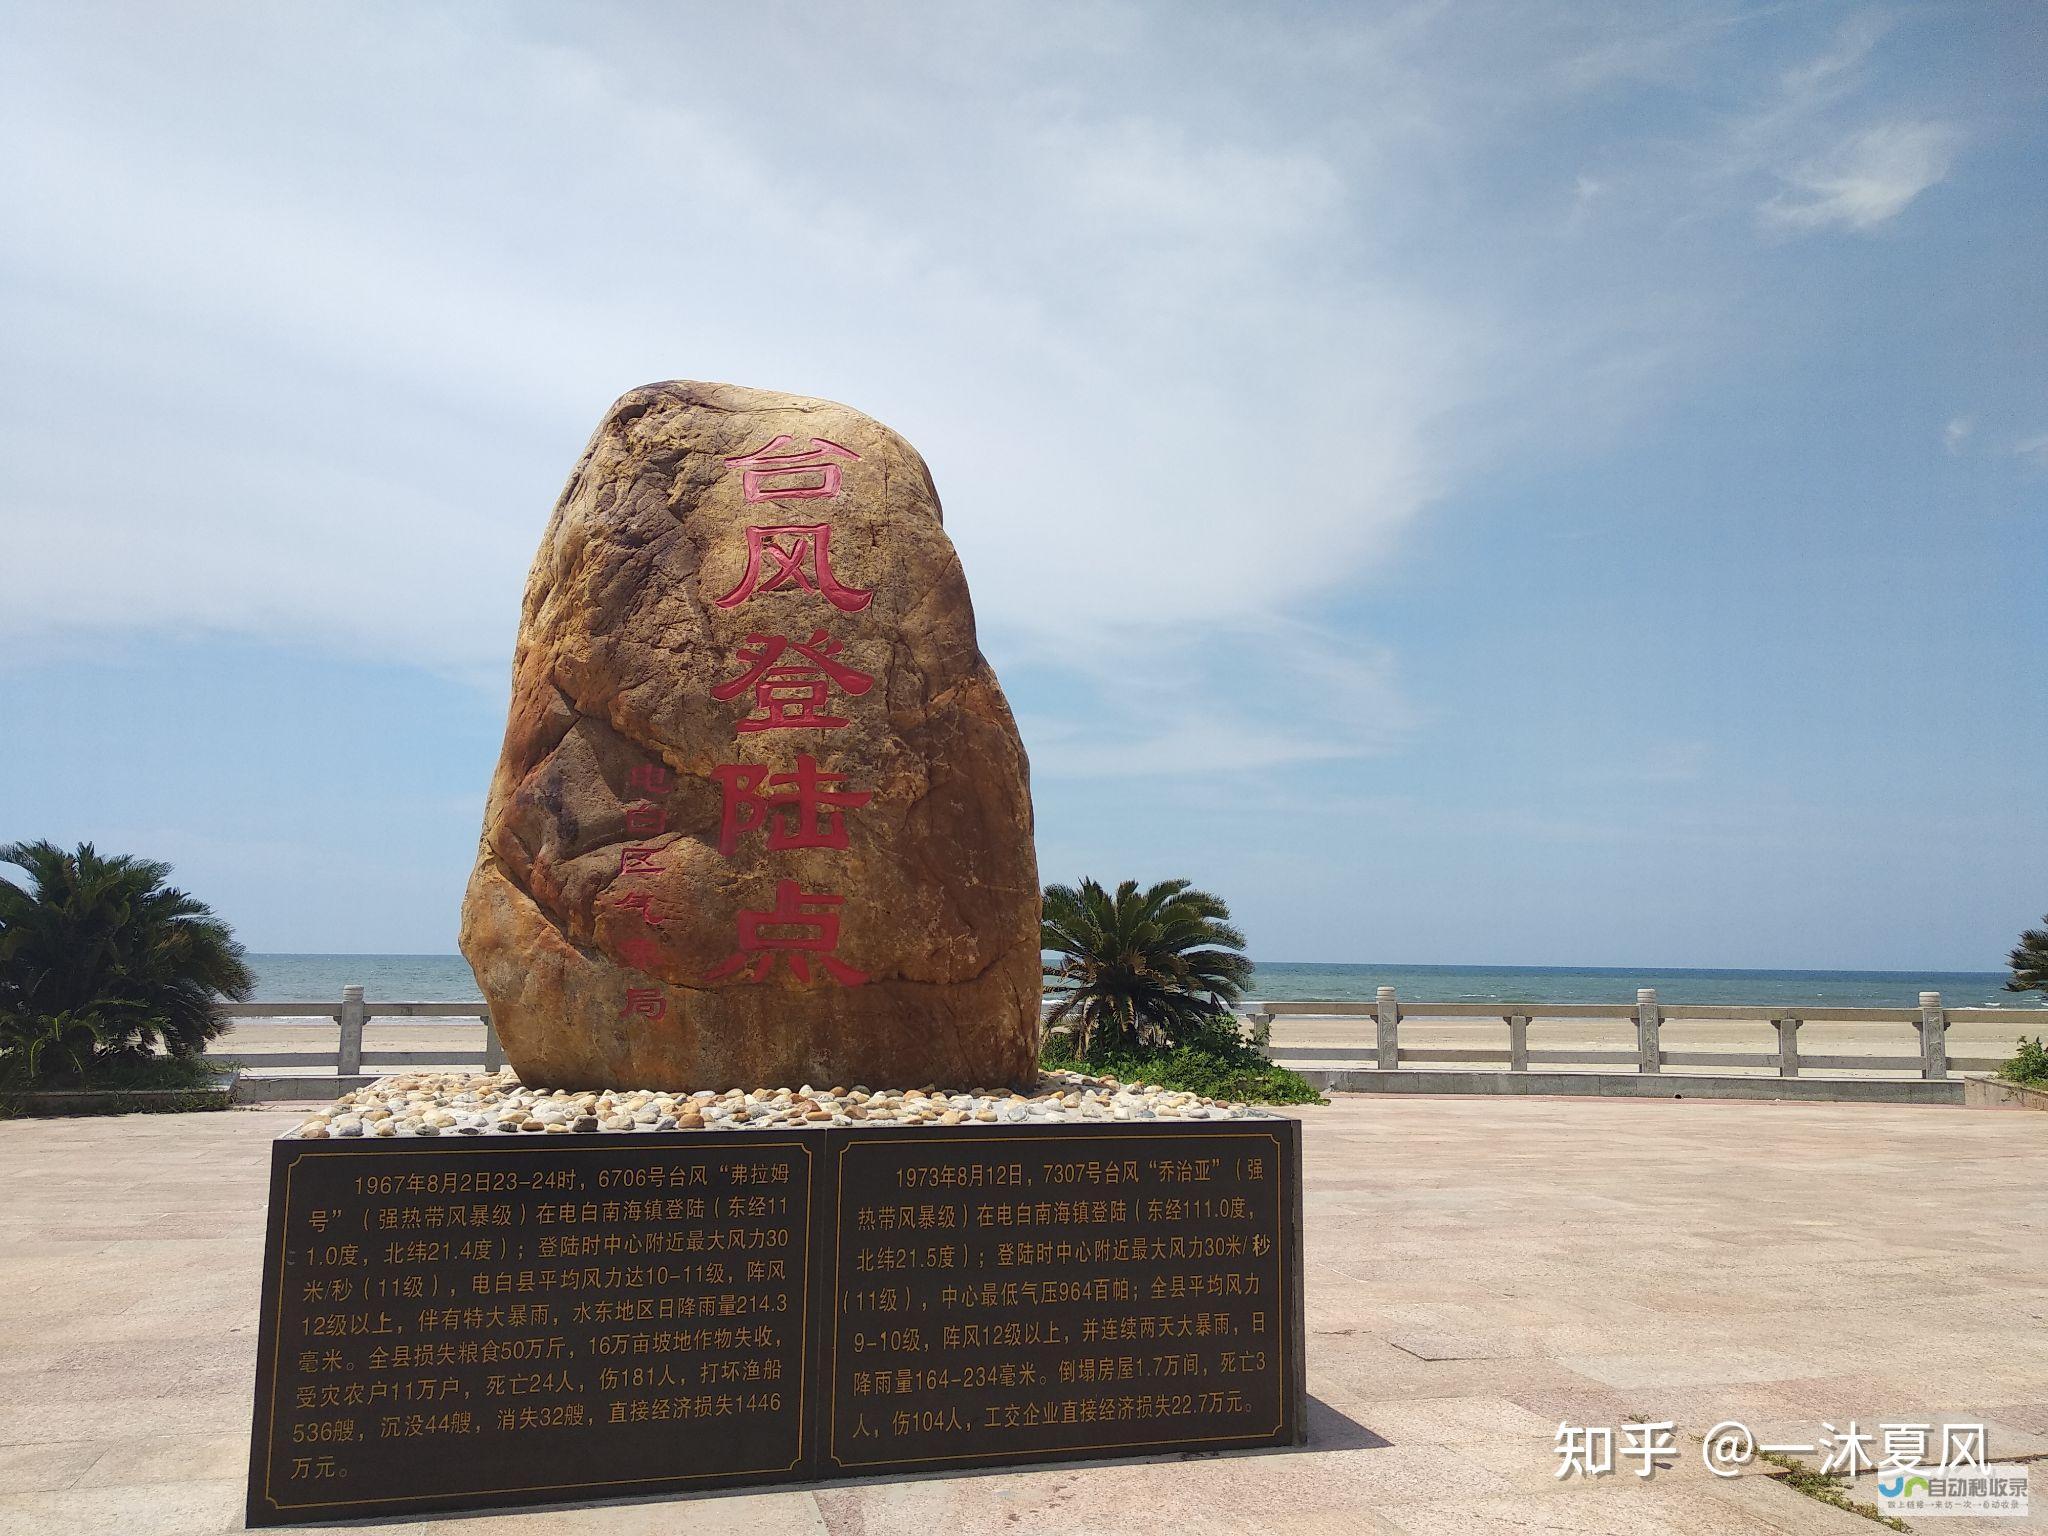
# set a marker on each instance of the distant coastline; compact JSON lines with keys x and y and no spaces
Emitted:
{"x":416,"y":978}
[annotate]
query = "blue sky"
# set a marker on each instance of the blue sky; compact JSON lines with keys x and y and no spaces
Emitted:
{"x":1470,"y":483}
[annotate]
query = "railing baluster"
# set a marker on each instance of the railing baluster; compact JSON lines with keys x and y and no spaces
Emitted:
{"x":1389,"y":1030}
{"x":1788,"y":1045}
{"x":1649,"y":1021}
{"x":1518,"y":1042}
{"x":348,"y":1059}
{"x":1933,"y":1037}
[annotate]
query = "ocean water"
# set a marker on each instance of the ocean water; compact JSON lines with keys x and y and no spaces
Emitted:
{"x":447,"y":978}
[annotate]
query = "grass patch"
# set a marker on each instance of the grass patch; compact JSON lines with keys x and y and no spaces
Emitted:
{"x":121,"y":1073}
{"x":2029,"y":1064}
{"x":1827,"y":1489}
{"x":1215,"y":1071}
{"x":174,"y":1084}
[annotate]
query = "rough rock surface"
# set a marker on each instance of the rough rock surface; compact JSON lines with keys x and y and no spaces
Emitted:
{"x":741,"y":594}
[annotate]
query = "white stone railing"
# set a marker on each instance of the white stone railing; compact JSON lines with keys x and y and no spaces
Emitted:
{"x":1926,"y":1025}
{"x":347,"y":1058}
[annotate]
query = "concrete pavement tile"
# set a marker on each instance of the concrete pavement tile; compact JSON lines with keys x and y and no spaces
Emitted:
{"x":1700,"y":1368}
{"x":169,"y":1509}
{"x":1456,"y":1421}
{"x":1769,"y":1500}
{"x":228,"y":1376}
{"x":169,"y":1459}
{"x":99,"y":1384}
{"x":1365,"y":1477}
{"x":1447,"y":1345}
{"x":1577,"y":1400}
{"x":164,"y":1357}
{"x":1656,"y":1242}
{"x":1198,"y":1496}
{"x":103,"y":1328}
{"x":1338,"y":1422}
{"x":783,"y":1512}
{"x":121,"y":1418}
{"x":37,"y":1468}
{"x":2032,"y":1417}
{"x":1637,"y":1510}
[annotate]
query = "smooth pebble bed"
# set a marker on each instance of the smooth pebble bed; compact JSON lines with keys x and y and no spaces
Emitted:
{"x":468,"y":1104}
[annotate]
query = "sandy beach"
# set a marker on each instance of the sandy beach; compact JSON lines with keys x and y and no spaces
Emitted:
{"x":1299,"y":1042}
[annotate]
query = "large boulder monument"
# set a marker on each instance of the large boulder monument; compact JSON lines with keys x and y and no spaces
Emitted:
{"x":762,"y":817}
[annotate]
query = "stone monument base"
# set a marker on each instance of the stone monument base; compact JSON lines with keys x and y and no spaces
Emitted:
{"x":460,"y":1322}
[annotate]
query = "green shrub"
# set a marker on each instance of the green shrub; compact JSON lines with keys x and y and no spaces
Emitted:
{"x":102,"y":962}
{"x":2029,"y":1063}
{"x":1217,"y":1067}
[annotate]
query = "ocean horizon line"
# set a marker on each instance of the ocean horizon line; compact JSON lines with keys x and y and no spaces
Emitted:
{"x":431,"y":976}
{"x":1390,"y":965}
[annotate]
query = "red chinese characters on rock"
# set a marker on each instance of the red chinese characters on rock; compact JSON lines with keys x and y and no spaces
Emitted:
{"x":794,"y":685}
{"x":799,"y":555}
{"x":814,"y":912}
{"x":811,"y":816}
{"x":766,"y":465}
{"x":646,"y":821}
{"x":643,"y":818}
{"x":649,"y":779}
{"x":635,"y":859}
{"x":792,"y":696}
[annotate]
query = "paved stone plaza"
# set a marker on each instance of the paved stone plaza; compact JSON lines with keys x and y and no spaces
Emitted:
{"x":1477,"y":1271}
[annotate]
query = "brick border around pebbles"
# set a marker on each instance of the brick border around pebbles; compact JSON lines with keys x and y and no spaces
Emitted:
{"x":465,"y":1104}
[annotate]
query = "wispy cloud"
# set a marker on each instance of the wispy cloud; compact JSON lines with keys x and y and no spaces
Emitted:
{"x":1866,"y":179}
{"x":1956,"y":433}
{"x":1276,"y":691}
{"x":2034,"y":449}
{"x":1194,"y":320}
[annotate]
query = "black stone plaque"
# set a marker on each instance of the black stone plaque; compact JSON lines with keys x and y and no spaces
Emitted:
{"x":461,"y":1322}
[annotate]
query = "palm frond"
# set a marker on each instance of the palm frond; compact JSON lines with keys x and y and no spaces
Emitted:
{"x":100,"y":953}
{"x":1151,"y":965}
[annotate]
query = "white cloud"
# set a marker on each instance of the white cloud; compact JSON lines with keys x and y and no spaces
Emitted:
{"x":310,"y":312}
{"x":2034,"y":449}
{"x":366,"y":301}
{"x":1835,"y":71}
{"x":1866,"y":179}
{"x":1956,"y":433}
{"x":1277,"y":691}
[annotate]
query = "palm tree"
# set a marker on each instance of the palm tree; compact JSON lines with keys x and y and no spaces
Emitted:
{"x":100,"y":955}
{"x":1155,"y":967}
{"x":2029,"y":961}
